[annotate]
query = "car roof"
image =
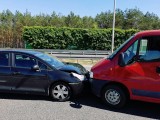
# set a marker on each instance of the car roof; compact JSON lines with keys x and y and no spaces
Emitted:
{"x":21,"y":51}
{"x":148,"y":33}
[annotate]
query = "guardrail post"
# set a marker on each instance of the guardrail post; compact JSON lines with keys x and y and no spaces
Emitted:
{"x":95,"y":53}
{"x":70,"y":54}
{"x":92,"y":60}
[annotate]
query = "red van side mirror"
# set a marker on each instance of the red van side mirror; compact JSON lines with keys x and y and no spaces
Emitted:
{"x":121,"y":61}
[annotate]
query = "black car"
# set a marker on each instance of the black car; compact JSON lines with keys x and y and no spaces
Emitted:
{"x":33,"y":72}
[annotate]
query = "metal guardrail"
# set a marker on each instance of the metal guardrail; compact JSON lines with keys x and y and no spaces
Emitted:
{"x":80,"y":54}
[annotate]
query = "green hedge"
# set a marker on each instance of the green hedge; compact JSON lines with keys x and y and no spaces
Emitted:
{"x":73,"y":38}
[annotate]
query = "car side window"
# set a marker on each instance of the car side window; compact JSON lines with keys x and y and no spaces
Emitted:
{"x":130,"y":53}
{"x":150,"y":49}
{"x":24,"y":61}
{"x":42,"y":66}
{"x":143,"y":47}
{"x":4,"y":59}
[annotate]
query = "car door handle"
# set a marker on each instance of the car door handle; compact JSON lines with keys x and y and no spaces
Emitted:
{"x":158,"y":69}
{"x":16,"y":73}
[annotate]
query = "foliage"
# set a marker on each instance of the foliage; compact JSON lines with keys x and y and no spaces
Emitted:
{"x":128,"y":19}
{"x":11,"y":26}
{"x":74,"y":38}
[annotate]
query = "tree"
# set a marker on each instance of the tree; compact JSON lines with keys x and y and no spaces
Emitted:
{"x":88,"y":22}
{"x":73,"y":20}
{"x":104,"y":19}
{"x":132,"y":18}
{"x":150,"y":21}
{"x":119,"y":19}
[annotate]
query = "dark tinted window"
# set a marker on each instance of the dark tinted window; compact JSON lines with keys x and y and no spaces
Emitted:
{"x":4,"y":59}
{"x":42,"y":66}
{"x":50,"y":60}
{"x":150,"y":49}
{"x":24,"y":61}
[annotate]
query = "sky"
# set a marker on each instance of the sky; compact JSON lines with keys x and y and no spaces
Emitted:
{"x":79,"y":7}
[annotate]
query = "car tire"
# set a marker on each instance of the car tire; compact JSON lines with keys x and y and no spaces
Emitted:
{"x":114,"y":96}
{"x":60,"y":91}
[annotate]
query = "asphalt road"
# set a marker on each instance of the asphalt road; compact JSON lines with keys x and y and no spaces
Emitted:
{"x":84,"y":107}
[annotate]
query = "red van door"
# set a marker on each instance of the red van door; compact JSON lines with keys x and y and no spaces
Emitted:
{"x":142,"y":71}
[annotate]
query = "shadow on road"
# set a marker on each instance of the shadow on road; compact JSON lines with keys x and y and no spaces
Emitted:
{"x":137,"y":108}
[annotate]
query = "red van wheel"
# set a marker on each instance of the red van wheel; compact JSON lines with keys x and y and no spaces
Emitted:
{"x":114,"y":96}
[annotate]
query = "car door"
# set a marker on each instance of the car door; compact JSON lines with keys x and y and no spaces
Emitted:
{"x":26,"y":78}
{"x":142,"y":72}
{"x":6,"y":82}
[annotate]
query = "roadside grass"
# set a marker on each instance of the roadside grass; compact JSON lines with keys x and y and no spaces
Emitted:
{"x":81,"y":61}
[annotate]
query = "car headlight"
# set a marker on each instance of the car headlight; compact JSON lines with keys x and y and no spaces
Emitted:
{"x":80,"y":77}
{"x":91,"y":74}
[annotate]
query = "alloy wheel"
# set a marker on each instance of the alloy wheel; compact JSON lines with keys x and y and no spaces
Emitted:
{"x":60,"y":92}
{"x":112,"y":97}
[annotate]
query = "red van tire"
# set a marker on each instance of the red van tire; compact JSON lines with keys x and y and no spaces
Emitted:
{"x":114,"y":96}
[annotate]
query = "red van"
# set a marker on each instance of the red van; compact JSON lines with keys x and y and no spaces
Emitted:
{"x":131,"y":72}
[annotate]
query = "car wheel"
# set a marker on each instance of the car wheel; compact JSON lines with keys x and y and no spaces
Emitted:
{"x":60,"y":91}
{"x":114,"y":96}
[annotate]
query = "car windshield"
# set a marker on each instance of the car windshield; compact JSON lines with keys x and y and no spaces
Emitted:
{"x":118,"y":49}
{"x":50,"y":59}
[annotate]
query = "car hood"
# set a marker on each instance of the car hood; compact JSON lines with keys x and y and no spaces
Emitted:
{"x":73,"y":67}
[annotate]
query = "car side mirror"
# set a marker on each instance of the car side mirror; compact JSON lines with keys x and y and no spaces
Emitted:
{"x":36,"y":68}
{"x":121,"y":61}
